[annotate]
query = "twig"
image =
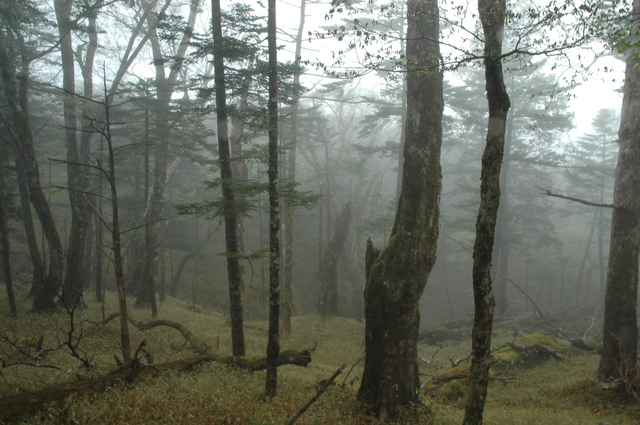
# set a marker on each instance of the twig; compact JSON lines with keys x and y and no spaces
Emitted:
{"x":318,"y":394}
{"x":350,"y":370}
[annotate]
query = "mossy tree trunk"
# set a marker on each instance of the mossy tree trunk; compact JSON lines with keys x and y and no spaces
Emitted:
{"x":398,"y":277}
{"x":492,"y":15}
{"x":620,"y":331}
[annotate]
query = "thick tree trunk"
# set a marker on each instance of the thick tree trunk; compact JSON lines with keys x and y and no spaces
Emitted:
{"x":620,"y":332}
{"x":492,"y":15}
{"x":17,"y":90}
{"x":398,"y":277}
{"x":5,"y":246}
{"x":29,"y":230}
{"x":77,"y":174}
{"x":328,"y":274}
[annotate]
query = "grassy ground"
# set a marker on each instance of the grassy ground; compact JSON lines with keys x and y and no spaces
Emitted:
{"x":550,"y":393}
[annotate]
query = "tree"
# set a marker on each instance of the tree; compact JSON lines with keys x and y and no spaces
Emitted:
{"x":492,"y":15}
{"x":620,"y":329}
{"x":273,"y":343}
{"x":77,"y":156}
{"x":15,"y":63}
{"x":328,"y":273}
{"x":287,"y":302}
{"x":230,"y":211}
{"x":398,"y":277}
{"x":165,"y":86}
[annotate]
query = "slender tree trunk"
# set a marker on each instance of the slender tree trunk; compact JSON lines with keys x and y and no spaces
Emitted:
{"x":620,"y":331}
{"x":273,"y":343}
{"x":287,"y":302}
{"x":29,"y":229}
{"x":398,"y":277}
{"x":502,"y":242}
{"x":229,"y":204}
{"x":165,"y":86}
{"x":492,"y":16}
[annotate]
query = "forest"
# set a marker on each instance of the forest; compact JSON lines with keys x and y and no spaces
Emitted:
{"x":441,"y":197}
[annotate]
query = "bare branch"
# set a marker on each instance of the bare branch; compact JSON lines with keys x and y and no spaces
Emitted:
{"x":581,"y":201}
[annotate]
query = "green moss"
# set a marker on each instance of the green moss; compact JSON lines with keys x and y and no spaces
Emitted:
{"x":506,"y":357}
{"x":542,"y":339}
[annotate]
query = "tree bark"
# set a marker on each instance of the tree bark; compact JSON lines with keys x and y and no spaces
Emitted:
{"x":77,"y":157}
{"x":165,"y":85}
{"x":398,"y":277}
{"x":492,"y":16}
{"x":328,"y":274}
{"x":5,"y":245}
{"x":620,"y":330}
{"x":273,"y":343}
{"x":287,"y":302}
{"x":17,"y":89}
{"x":236,"y":309}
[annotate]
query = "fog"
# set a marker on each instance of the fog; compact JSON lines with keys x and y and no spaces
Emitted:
{"x":551,"y":253}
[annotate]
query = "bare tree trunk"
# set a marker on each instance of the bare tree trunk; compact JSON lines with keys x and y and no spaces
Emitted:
{"x":328,"y":274}
{"x":287,"y":302}
{"x":620,"y":332}
{"x":118,"y":262}
{"x":397,"y":278}
{"x":273,"y":343}
{"x":230,"y":208}
{"x":77,"y":156}
{"x":165,"y":86}
{"x":5,"y":245}
{"x":17,"y":90}
{"x":492,"y":16}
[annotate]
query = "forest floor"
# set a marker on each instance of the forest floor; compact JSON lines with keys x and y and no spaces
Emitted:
{"x":551,"y":392}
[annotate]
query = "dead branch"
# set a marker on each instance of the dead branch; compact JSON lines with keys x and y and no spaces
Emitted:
{"x":197,"y":345}
{"x":128,"y":372}
{"x":318,"y":394}
{"x":581,"y":201}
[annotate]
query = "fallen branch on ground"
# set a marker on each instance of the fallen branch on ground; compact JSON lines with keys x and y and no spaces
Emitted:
{"x":317,"y":396}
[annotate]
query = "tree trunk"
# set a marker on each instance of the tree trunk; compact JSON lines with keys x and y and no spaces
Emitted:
{"x":229,"y":204}
{"x":165,"y":86}
{"x":17,"y":90}
{"x":273,"y":343}
{"x":620,"y":331}
{"x":118,"y":262}
{"x":5,"y":246}
{"x":328,"y":274}
{"x":29,"y":229}
{"x":287,"y":302}
{"x":492,"y":16}
{"x":77,"y":173}
{"x":398,"y":277}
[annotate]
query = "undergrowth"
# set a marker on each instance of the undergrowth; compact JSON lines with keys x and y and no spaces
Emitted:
{"x":550,"y":393}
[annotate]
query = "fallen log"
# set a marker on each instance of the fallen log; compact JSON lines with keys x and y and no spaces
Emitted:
{"x":21,"y":403}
